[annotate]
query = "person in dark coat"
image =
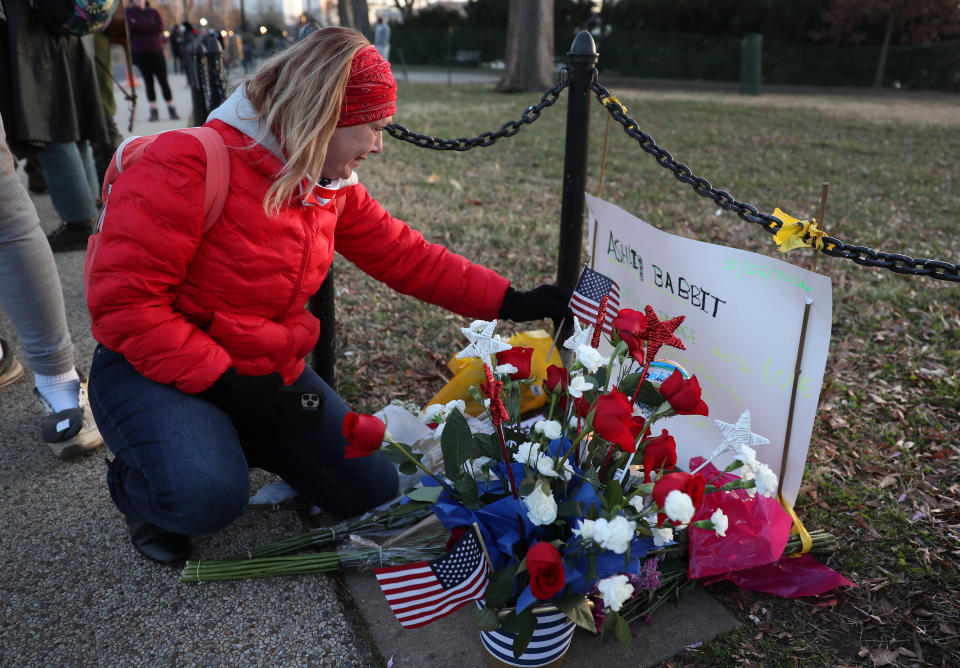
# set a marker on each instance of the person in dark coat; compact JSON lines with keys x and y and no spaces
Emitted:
{"x":146,"y":45}
{"x":51,"y":107}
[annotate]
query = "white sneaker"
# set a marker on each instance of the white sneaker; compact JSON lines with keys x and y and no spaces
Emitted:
{"x":10,"y":368}
{"x":72,"y":431}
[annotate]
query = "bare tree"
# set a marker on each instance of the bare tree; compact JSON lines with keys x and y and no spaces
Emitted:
{"x":355,"y":14}
{"x":529,"y":60}
{"x":886,"y":21}
{"x":405,"y":7}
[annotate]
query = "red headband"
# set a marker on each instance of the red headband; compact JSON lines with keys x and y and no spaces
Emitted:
{"x":371,"y":89}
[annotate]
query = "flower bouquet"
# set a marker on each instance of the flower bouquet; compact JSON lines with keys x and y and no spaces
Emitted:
{"x":579,"y":512}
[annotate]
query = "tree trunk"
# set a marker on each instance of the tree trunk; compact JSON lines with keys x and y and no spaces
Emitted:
{"x":345,"y":12}
{"x":529,"y":59}
{"x":884,"y":49}
{"x":361,"y":17}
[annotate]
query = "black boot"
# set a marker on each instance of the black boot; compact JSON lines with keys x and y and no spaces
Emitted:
{"x":173,"y":112}
{"x":70,"y":236}
{"x":154,"y":115}
{"x":158,"y":544}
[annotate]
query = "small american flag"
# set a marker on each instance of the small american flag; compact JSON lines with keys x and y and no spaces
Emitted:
{"x":591,"y":288}
{"x":425,"y":591}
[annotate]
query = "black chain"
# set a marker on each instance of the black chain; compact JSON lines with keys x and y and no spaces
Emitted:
{"x":901,"y":264}
{"x":508,"y":129}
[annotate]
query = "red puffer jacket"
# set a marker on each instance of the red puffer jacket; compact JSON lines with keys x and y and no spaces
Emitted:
{"x":181,"y":306}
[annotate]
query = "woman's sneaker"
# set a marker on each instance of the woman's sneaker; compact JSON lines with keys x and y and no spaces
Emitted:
{"x":10,"y":368}
{"x":72,"y":431}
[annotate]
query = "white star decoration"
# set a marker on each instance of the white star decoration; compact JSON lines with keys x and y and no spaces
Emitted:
{"x":482,"y":344}
{"x":581,"y":337}
{"x":735,"y":437}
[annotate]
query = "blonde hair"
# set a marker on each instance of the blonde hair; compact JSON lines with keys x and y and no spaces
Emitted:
{"x":298,"y":94}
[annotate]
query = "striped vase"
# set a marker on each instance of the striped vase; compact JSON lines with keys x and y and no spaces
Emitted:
{"x":550,"y":641}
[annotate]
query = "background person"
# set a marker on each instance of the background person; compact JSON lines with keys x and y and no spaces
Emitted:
{"x":203,"y":334}
{"x":31,"y":294}
{"x":381,"y":38}
{"x":146,"y":46}
{"x":51,"y":109}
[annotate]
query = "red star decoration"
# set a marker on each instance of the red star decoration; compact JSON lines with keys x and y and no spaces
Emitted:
{"x":660,"y":334}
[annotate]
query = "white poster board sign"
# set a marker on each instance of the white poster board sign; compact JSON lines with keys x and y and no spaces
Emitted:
{"x":744,"y":314}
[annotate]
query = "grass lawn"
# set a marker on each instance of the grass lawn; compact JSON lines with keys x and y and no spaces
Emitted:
{"x":882,"y":473}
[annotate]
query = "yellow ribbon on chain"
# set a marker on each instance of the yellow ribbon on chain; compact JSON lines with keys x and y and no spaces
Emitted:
{"x":796,"y":233}
{"x":806,"y":542}
{"x":610,"y":98}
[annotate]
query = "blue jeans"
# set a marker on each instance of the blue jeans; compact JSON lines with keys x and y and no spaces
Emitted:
{"x":71,"y":177}
{"x":179,"y":462}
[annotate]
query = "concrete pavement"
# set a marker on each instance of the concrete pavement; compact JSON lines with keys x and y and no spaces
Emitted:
{"x":74,"y":591}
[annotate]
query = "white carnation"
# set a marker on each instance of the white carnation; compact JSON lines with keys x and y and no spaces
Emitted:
{"x":545,"y":467}
{"x":614,"y":535}
{"x":679,"y":507}
{"x":431,"y":413}
{"x":720,"y":522}
{"x":527,"y":453}
{"x":439,"y":430}
{"x":590,"y":358}
{"x":541,"y":506}
{"x":662,"y":536}
{"x":766,"y":480}
{"x":449,"y":407}
{"x":506,"y":369}
{"x":549,"y":428}
{"x":578,"y":386}
{"x":747,"y":455}
{"x":616,"y":590}
{"x":585,"y":530}
{"x":637,"y":502}
{"x":479,"y":325}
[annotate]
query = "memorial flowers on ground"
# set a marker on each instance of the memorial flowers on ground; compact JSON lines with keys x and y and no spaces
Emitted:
{"x":582,"y":508}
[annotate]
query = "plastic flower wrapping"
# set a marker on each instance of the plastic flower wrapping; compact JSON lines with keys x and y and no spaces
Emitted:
{"x":584,"y":507}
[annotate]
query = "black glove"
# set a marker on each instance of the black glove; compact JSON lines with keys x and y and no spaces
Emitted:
{"x":263,"y":404}
{"x":545,"y":301}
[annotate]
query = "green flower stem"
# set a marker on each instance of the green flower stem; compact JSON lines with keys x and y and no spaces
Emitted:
{"x":390,"y":518}
{"x":553,"y":404}
{"x":587,"y":427}
{"x":419,"y":465}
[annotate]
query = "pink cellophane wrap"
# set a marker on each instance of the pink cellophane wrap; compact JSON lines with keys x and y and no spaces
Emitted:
{"x":750,"y":553}
{"x":757,"y":533}
{"x":789,"y":577}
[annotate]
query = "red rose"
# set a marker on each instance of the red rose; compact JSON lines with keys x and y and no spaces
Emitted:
{"x":691,"y":485}
{"x":611,"y":419}
{"x":545,"y":566}
{"x":659,"y":453}
{"x":518,"y":357}
{"x":364,"y":433}
{"x":557,"y":378}
{"x":683,"y":395}
{"x":631,"y":326}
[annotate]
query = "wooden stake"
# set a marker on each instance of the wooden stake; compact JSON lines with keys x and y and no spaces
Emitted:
{"x":793,"y":394}
{"x":555,"y":337}
{"x":603,"y":159}
{"x":483,"y":546}
{"x":820,"y":215}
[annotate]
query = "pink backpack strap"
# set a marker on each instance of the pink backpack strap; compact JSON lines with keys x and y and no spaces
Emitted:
{"x":217,"y":182}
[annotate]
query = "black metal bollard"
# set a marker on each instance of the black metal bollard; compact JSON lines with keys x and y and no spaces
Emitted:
{"x":206,"y":77}
{"x":322,"y":306}
{"x":582,"y":60}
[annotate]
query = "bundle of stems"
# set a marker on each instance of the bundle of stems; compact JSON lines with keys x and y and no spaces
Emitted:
{"x":673,"y":575}
{"x":388,"y":519}
{"x":357,"y":552}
